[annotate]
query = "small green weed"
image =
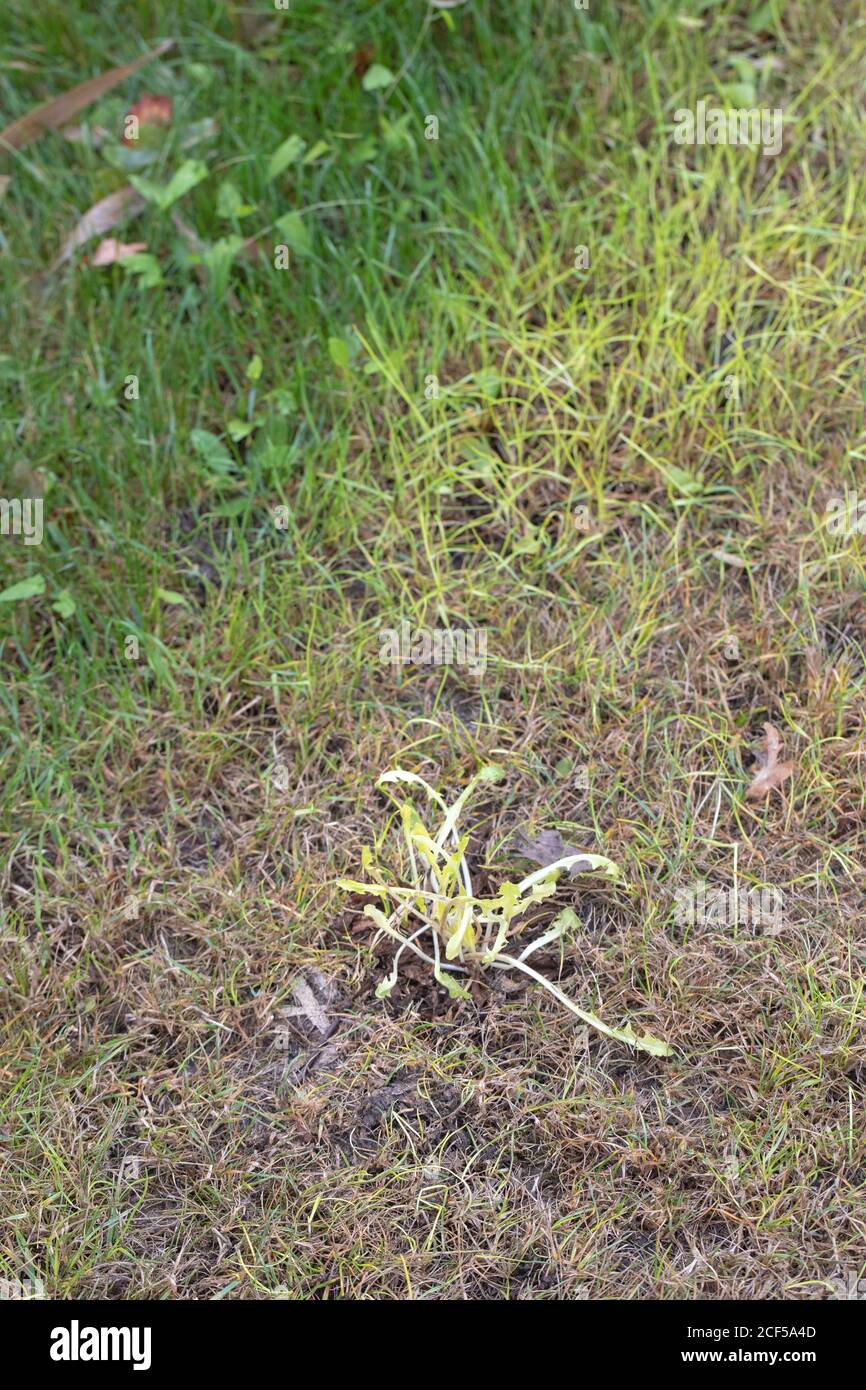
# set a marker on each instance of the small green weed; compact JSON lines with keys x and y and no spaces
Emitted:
{"x":473,"y":932}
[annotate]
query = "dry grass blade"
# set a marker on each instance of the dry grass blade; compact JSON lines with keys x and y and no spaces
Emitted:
{"x":59,"y":111}
{"x":98,"y":220}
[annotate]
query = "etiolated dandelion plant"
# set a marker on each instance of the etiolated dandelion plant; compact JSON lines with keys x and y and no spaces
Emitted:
{"x":438,"y":917}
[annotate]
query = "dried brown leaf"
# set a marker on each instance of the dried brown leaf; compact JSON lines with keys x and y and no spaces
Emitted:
{"x":98,"y":220}
{"x":545,"y":849}
{"x":111,"y":250}
{"x":771,"y":773}
{"x":363,"y":59}
{"x":59,"y":111}
{"x":310,"y":1006}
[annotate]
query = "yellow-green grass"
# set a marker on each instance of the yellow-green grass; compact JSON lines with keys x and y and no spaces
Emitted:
{"x":623,"y":480}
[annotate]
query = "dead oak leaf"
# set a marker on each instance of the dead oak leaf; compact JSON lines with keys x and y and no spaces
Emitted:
{"x":771,"y":773}
{"x":546,"y":848}
{"x":110,"y":250}
{"x":98,"y":220}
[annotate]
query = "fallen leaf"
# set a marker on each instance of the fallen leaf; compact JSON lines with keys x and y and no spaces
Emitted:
{"x":771,"y":772}
{"x":111,"y":250}
{"x":362,"y":59}
{"x":5,"y":180}
{"x":59,"y":111}
{"x":98,"y":220}
{"x":545,"y":849}
{"x":149,"y":110}
{"x":310,"y":1007}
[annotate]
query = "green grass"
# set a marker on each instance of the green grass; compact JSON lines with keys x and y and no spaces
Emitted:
{"x":162,"y":893}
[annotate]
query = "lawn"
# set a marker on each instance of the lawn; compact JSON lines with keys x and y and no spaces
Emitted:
{"x":434,"y":328}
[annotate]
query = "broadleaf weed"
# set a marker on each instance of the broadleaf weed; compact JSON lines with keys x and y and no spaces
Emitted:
{"x":439,"y":918}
